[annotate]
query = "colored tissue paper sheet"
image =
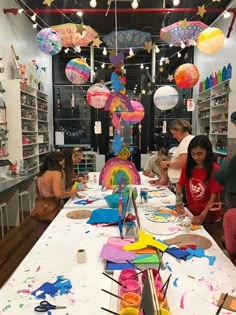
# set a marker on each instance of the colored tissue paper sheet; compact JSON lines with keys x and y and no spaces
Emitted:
{"x":118,"y":242}
{"x":147,"y":259}
{"x":84,"y":201}
{"x":230,"y":302}
{"x":199,"y":252}
{"x":115,"y":254}
{"x":103,"y":215}
{"x":177,"y":252}
{"x":59,"y":287}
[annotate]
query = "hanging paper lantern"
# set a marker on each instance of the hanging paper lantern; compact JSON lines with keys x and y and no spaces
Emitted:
{"x":166,"y":97}
{"x":77,"y":71}
{"x":97,"y":95}
{"x":49,"y":41}
{"x":210,"y":40}
{"x":133,"y":117}
{"x":186,"y":75}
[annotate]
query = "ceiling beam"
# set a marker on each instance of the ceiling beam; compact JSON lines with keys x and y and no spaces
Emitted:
{"x":119,"y":10}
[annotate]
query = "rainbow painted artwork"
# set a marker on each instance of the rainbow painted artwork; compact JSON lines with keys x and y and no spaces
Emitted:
{"x":117,"y":171}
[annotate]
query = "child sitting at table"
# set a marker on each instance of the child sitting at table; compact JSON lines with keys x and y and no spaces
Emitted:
{"x":202,"y":190}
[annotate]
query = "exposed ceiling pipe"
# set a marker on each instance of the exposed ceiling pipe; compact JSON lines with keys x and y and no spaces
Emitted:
{"x":119,"y":10}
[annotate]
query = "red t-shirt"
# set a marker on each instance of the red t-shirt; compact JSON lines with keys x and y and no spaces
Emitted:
{"x":198,"y":191}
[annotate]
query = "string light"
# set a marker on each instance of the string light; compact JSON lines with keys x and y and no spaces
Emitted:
{"x":157,"y":49}
{"x":35,"y":25}
{"x":134,"y":4}
{"x":131,"y":53}
{"x":20,"y":11}
{"x":33,"y":17}
{"x":77,"y":49}
{"x":226,"y":14}
{"x":147,"y":68}
{"x":93,"y":3}
{"x":79,"y":13}
{"x":66,"y":50}
{"x":176,"y":2}
{"x":182,"y":45}
{"x":179,"y":54}
{"x":104,"y":51}
{"x":141,"y":66}
{"x":103,"y":65}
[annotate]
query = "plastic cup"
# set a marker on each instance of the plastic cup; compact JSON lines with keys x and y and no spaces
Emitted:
{"x":130,"y":286}
{"x":128,"y":273}
{"x":130,"y":299}
{"x":129,"y":311}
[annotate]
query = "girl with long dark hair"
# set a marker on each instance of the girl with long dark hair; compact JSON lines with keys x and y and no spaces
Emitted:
{"x":202,"y":190}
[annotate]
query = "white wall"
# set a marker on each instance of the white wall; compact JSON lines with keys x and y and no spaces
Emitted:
{"x":207,"y":63}
{"x":17,"y":30}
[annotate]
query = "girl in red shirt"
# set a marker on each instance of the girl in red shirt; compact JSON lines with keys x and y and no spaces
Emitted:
{"x":202,"y":190}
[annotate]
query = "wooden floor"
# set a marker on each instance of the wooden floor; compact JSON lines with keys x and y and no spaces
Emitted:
{"x":15,"y":246}
{"x":19,"y":240}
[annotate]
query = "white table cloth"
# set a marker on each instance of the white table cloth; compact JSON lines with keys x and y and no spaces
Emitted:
{"x":193,"y":290}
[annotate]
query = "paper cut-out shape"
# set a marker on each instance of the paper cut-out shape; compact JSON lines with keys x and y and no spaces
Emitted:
{"x":145,"y":240}
{"x":103,"y":215}
{"x":79,"y":214}
{"x":230,"y":302}
{"x":60,"y":286}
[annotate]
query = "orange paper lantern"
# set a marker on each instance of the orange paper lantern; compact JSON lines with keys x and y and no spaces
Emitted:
{"x":210,"y":40}
{"x":186,"y":75}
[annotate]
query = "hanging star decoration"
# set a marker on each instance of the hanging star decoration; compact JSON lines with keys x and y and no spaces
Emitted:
{"x":167,"y":61}
{"x":201,"y":10}
{"x":166,"y":36}
{"x":143,"y":92}
{"x":48,"y":2}
{"x":148,"y":46}
{"x":80,"y":28}
{"x":161,"y":69}
{"x":97,"y":42}
{"x":170,"y":77}
{"x":149,"y":92}
{"x":183,"y":23}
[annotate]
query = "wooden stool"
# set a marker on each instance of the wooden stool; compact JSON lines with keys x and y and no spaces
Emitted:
{"x":21,"y":197}
{"x":3,"y":207}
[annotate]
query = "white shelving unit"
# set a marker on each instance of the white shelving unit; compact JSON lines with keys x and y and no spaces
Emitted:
{"x":214,"y":109}
{"x":28,"y":124}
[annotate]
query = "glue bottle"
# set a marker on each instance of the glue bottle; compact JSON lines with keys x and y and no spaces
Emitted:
{"x":187,"y":223}
{"x":94,"y":179}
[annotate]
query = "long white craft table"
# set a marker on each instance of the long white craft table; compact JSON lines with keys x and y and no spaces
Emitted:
{"x":194,"y":288}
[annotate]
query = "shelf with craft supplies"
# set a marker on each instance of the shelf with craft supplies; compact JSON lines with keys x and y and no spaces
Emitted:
{"x":218,"y":122}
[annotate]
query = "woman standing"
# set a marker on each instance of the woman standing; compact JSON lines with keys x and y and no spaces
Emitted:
{"x":180,"y":130}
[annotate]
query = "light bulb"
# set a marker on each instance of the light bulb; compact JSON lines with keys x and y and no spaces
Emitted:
{"x":33,"y":17}
{"x":104,"y":51}
{"x":35,"y":25}
{"x":66,"y":50}
{"x":157,"y":50}
{"x":226,"y":14}
{"x":79,"y":13}
{"x":182,"y":45}
{"x":161,"y":63}
{"x":103,"y":65}
{"x":134,"y":4}
{"x":78,"y":48}
{"x":131,"y":52}
{"x":93,"y":3}
{"x":176,"y":2}
{"x":171,"y":45}
{"x":20,"y":11}
{"x":179,"y":54}
{"x":141,"y":66}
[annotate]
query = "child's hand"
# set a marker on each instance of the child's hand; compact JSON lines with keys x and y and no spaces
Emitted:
{"x":153,"y":181}
{"x":83,"y":187}
{"x":198,"y":219}
{"x":179,"y":208}
{"x":81,"y":179}
{"x":74,"y":191}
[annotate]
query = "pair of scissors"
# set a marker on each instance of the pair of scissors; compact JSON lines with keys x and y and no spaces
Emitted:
{"x":45,"y":306}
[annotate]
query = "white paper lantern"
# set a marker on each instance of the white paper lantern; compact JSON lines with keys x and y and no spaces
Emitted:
{"x":166,"y":97}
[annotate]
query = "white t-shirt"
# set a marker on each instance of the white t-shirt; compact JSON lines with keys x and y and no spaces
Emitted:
{"x":174,"y":174}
